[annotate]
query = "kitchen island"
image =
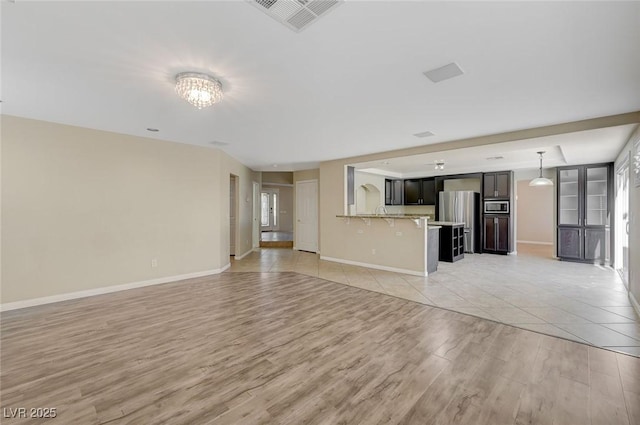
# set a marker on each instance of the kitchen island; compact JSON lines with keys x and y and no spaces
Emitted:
{"x":451,"y":245}
{"x":393,"y":242}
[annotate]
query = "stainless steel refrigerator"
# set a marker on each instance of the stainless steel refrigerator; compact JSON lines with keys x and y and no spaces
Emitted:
{"x":462,"y":206}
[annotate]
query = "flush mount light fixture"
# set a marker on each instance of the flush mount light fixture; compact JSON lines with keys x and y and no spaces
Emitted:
{"x":439,"y":165}
{"x":540,"y":181}
{"x":200,"y":90}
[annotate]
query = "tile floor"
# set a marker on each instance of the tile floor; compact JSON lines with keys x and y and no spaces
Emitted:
{"x":580,"y":302}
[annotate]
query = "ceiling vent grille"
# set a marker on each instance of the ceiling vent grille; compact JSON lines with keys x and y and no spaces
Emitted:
{"x":424,"y":134}
{"x":295,"y":14}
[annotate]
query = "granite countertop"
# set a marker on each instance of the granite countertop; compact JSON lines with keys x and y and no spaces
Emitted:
{"x":446,"y":223}
{"x":430,"y":227}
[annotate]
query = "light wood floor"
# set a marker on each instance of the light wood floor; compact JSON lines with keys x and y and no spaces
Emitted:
{"x":285,"y":348}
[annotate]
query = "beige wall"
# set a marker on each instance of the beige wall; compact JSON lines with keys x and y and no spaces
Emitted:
{"x":279,"y":177}
{"x":228,"y":166}
{"x":535,"y":211}
{"x":84,"y":209}
{"x":398,"y":246}
{"x":451,"y":185}
{"x":634,"y":220}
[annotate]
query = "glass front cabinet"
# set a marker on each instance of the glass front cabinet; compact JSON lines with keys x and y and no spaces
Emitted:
{"x":584,"y":213}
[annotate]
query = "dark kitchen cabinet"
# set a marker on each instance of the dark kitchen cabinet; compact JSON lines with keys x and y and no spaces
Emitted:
{"x":420,"y":191}
{"x":583,"y":212}
{"x":393,"y":192}
{"x":496,"y":233}
{"x":429,"y":191}
{"x":451,"y":247}
{"x":497,"y":185}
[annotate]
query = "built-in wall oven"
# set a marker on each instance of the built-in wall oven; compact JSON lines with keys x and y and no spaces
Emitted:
{"x":496,"y":207}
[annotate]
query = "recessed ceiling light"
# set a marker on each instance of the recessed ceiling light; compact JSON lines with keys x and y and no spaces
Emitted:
{"x":424,"y":134}
{"x":493,"y":158}
{"x":218,"y":143}
{"x":385,"y":163}
{"x":275,"y":165}
{"x":444,"y":72}
{"x":154,"y":130}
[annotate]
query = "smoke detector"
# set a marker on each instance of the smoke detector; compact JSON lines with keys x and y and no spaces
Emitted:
{"x":296,"y":14}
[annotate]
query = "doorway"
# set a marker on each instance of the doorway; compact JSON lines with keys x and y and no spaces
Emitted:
{"x":621,"y":250}
{"x":269,"y":220}
{"x":255,"y":231}
{"x":233,"y":210}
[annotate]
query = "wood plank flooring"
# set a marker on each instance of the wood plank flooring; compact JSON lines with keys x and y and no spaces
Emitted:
{"x":285,"y":348}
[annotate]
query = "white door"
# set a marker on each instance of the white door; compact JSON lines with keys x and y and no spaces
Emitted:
{"x":307,"y":215}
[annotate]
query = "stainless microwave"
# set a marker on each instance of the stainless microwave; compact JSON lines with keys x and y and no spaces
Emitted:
{"x":496,"y":207}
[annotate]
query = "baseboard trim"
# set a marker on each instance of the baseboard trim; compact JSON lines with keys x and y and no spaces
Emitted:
{"x":374,"y":266}
{"x":240,"y":257}
{"x":106,"y":290}
{"x":634,"y":303}
{"x":535,"y":242}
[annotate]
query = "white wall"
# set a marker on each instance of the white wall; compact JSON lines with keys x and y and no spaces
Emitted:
{"x":85,"y":209}
{"x":634,"y":220}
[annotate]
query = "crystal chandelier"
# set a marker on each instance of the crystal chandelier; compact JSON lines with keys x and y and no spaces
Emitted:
{"x":200,"y":90}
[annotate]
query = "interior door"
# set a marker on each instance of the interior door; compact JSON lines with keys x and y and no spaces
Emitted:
{"x":306,"y":232}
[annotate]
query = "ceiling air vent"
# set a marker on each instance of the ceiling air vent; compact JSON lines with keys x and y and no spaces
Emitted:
{"x":444,"y":72}
{"x":295,"y":14}
{"x":424,"y":134}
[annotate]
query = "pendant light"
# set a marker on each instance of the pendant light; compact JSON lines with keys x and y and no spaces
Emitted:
{"x":540,"y":181}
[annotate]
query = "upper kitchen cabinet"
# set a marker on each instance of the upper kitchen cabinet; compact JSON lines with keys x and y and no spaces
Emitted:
{"x":497,"y":185}
{"x":420,"y":191}
{"x":393,"y":192}
{"x":583,"y":215}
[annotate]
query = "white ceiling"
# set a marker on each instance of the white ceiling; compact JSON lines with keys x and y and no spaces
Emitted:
{"x":350,"y":84}
{"x":584,"y":147}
